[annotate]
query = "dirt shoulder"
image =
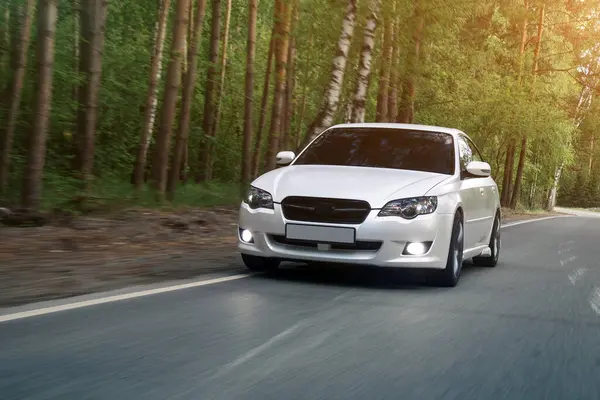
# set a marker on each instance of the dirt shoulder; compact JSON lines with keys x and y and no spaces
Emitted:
{"x":75,"y":256}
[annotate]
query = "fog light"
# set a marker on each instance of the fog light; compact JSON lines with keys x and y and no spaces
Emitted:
{"x":417,"y":248}
{"x":246,"y":236}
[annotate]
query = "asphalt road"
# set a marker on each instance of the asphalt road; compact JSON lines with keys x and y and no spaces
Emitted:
{"x":528,"y":329}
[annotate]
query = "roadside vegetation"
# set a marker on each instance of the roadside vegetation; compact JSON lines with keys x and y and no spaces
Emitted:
{"x":181,"y":102}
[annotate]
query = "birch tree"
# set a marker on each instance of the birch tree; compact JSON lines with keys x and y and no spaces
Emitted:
{"x":366,"y":61}
{"x":324,"y":118}
{"x":152,"y":94}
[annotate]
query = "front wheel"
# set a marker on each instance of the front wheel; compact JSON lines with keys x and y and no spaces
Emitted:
{"x":495,"y":245}
{"x":260,"y":264}
{"x":449,"y":276}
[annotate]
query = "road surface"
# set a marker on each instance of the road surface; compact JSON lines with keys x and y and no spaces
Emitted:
{"x":528,"y":329}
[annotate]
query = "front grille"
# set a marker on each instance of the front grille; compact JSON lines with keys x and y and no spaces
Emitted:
{"x":361,"y":245}
{"x":317,"y":209}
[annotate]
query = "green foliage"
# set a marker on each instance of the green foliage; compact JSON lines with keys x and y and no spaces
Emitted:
{"x":465,"y":78}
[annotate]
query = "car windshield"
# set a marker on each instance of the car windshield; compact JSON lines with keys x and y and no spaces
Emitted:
{"x":382,"y":148}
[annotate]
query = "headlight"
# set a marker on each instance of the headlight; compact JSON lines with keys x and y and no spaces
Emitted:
{"x":409,"y":208}
{"x":258,"y":198}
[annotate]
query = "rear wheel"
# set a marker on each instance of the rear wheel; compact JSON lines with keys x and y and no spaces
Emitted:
{"x":260,"y":264}
{"x":449,"y":276}
{"x":495,"y":245}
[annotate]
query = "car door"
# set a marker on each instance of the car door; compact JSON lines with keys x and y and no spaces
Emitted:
{"x":473,"y":197}
{"x":490,"y":195}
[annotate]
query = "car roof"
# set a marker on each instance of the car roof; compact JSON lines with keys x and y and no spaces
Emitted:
{"x":386,"y":125}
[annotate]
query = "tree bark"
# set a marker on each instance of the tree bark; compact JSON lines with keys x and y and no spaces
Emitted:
{"x":5,"y":36}
{"x":169,"y":104}
{"x":210,"y":95}
{"x":92,"y":19}
{"x":290,"y":85}
{"x":519,"y":178}
{"x":152,"y":94}
{"x":385,"y":68}
{"x":14,"y":91}
{"x":249,"y":94}
{"x":392,"y":106}
{"x":263,"y":107}
{"x":523,"y":42}
{"x":324,"y":118}
{"x":364,"y":69}
{"x":307,"y":75}
{"x":508,"y":173}
{"x":554,"y":189}
{"x":189,"y":86}
{"x":406,"y":113}
{"x":282,"y":27}
{"x":36,"y":151}
{"x":222,"y":69}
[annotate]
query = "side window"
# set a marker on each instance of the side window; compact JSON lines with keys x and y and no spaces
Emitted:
{"x":465,"y":153}
{"x":475,"y":151}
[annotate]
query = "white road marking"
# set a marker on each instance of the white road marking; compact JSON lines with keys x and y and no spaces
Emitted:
{"x":595,"y":300}
{"x":256,"y":351}
{"x":575,"y":275}
{"x":111,"y":299}
{"x":528,"y":221}
{"x":565,"y":250}
{"x":568,"y":260}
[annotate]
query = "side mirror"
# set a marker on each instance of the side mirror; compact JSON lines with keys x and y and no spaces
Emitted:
{"x":285,"y":157}
{"x":479,"y":169}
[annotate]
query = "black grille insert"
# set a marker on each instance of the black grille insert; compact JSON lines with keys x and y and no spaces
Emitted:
{"x":361,"y":245}
{"x":318,"y":209}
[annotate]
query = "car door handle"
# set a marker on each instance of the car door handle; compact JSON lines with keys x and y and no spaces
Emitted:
{"x":482,"y":191}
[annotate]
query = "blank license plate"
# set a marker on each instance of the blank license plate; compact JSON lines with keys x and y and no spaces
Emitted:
{"x":321,"y":234}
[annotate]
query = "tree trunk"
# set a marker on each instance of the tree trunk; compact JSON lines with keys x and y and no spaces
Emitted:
{"x":76,"y":7}
{"x":263,"y":107}
{"x":538,"y":44}
{"x":152,"y":94}
{"x":519,"y":178}
{"x":36,"y":152}
{"x":14,"y":91}
{"x":5,"y":37}
{"x":282,"y":26}
{"x":392,"y":106}
{"x":508,"y":173}
{"x":222,"y":69}
{"x":306,"y":78}
{"x":385,"y":68}
{"x":288,"y":109}
{"x":210,"y":95}
{"x":189,"y":86}
{"x":249,"y":94}
{"x":364,"y":69}
{"x":324,"y":118}
{"x":523,"y":41}
{"x":406,"y":113}
{"x":169,"y":104}
{"x":92,"y":19}
{"x":554,"y":190}
{"x":523,"y":156}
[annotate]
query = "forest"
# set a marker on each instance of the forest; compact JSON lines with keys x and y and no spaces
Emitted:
{"x":187,"y":101}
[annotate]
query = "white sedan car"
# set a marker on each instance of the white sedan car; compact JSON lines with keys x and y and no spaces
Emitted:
{"x":385,"y":195}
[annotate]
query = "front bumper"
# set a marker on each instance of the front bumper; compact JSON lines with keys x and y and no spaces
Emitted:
{"x":268,"y":229}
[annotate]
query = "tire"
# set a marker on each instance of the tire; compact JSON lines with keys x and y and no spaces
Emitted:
{"x":495,"y":246}
{"x":260,"y":264}
{"x":449,"y":276}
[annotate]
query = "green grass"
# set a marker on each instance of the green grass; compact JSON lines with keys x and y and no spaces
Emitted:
{"x":106,"y":195}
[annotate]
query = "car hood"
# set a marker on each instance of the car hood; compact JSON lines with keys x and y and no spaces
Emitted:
{"x":377,"y":186}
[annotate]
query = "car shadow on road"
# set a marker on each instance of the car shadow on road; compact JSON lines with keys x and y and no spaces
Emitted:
{"x":358,"y":276}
